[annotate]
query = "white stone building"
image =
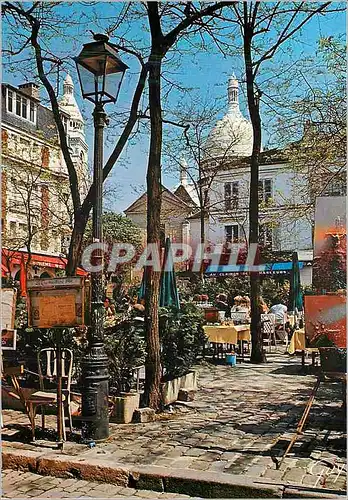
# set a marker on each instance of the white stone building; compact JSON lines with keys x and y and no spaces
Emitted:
{"x":36,"y":205}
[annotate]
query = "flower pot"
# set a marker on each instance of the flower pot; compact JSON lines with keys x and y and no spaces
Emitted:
{"x":170,"y":390}
{"x":124,"y":407}
{"x":189,"y":381}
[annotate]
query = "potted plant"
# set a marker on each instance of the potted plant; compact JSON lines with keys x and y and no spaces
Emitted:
{"x":125,"y":347}
{"x":182,"y":340}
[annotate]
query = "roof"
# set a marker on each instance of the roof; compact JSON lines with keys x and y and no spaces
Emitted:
{"x":45,"y":127}
{"x":187,"y":194}
{"x":173,"y":196}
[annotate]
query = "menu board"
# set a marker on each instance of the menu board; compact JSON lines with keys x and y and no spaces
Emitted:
{"x":56,"y":302}
{"x":8,"y":308}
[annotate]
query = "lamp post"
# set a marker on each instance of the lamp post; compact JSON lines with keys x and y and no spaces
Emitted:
{"x":100,"y":73}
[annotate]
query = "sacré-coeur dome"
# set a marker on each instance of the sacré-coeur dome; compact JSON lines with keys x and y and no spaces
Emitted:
{"x":233,"y":134}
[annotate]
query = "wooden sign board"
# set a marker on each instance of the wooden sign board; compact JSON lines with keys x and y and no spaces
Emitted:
{"x":8,"y":340}
{"x":8,"y":308}
{"x":56,"y":302}
{"x":326,"y":314}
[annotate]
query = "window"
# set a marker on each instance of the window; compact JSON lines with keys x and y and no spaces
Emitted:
{"x":32,"y":112}
{"x":13,"y":229}
{"x":232,"y":233}
{"x":231,"y":195}
{"x":24,"y":107}
{"x":265,"y":235}
{"x":265,"y":190}
{"x":18,"y":105}
{"x":65,"y":122}
{"x":10,"y":100}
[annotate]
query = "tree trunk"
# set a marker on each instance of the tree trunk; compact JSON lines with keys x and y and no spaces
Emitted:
{"x":75,"y":247}
{"x":202,"y":224}
{"x":152,"y":395}
{"x":257,"y":352}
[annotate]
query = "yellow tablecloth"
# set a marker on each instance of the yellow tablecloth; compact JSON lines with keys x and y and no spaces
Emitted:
{"x":297,"y":342}
{"x":222,"y":334}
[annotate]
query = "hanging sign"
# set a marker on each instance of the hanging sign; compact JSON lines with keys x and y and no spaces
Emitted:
{"x":56,"y":302}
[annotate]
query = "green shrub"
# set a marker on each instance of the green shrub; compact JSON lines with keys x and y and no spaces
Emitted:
{"x":126,"y":350}
{"x":182,"y":338}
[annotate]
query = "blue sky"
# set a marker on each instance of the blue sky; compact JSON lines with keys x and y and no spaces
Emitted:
{"x":205,"y":72}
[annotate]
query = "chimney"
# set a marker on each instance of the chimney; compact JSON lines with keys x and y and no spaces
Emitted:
{"x":31,"y":89}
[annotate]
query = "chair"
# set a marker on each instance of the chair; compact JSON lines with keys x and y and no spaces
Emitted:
{"x":47,"y":367}
{"x":268,"y":329}
{"x":238,"y":317}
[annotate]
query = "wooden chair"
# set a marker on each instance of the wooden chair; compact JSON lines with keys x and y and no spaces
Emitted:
{"x":47,"y":367}
{"x":268,"y":329}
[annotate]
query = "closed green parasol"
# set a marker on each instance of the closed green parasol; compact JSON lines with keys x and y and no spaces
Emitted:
{"x":169,"y":295}
{"x":295,"y":296}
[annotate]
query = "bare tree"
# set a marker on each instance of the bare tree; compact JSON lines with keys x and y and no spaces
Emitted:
{"x":264,"y":28}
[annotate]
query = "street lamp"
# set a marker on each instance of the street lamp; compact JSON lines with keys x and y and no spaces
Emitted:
{"x":100,"y":72}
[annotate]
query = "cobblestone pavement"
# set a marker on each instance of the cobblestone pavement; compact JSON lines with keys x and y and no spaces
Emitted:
{"x":242,"y":418}
{"x":17,"y":484}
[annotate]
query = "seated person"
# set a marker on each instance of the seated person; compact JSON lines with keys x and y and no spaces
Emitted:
{"x":281,"y":318}
{"x":237,"y":304}
{"x":221,"y":303}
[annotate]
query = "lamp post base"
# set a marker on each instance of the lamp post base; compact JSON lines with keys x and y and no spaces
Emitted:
{"x":95,"y":391}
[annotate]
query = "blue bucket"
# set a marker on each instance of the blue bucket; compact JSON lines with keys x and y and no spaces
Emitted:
{"x":231,"y":359}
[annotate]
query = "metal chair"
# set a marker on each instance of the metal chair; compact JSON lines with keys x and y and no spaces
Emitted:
{"x":238,"y":317}
{"x":47,"y":368}
{"x":268,"y":329}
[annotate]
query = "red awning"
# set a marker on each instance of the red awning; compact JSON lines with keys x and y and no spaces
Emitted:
{"x":39,"y":260}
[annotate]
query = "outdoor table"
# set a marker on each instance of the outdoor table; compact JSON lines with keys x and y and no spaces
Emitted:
{"x":298,"y":343}
{"x":227,"y":334}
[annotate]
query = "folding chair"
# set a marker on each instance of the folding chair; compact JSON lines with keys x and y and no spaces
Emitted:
{"x":47,"y":367}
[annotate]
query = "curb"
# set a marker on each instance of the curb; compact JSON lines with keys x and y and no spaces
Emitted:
{"x":156,"y":478}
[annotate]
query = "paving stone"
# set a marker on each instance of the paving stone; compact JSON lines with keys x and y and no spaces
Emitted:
{"x":195,"y":452}
{"x":295,"y":474}
{"x":274,"y":474}
{"x":199,"y":465}
{"x":256,"y":471}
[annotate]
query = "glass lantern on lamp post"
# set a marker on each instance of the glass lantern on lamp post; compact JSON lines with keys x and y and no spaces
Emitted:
{"x":100,"y":73}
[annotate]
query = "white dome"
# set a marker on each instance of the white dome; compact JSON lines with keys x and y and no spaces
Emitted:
{"x":233,"y":134}
{"x":67,"y":103}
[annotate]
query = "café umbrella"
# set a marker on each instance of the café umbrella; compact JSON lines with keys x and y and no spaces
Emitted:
{"x":295,"y":296}
{"x":169,"y":295}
